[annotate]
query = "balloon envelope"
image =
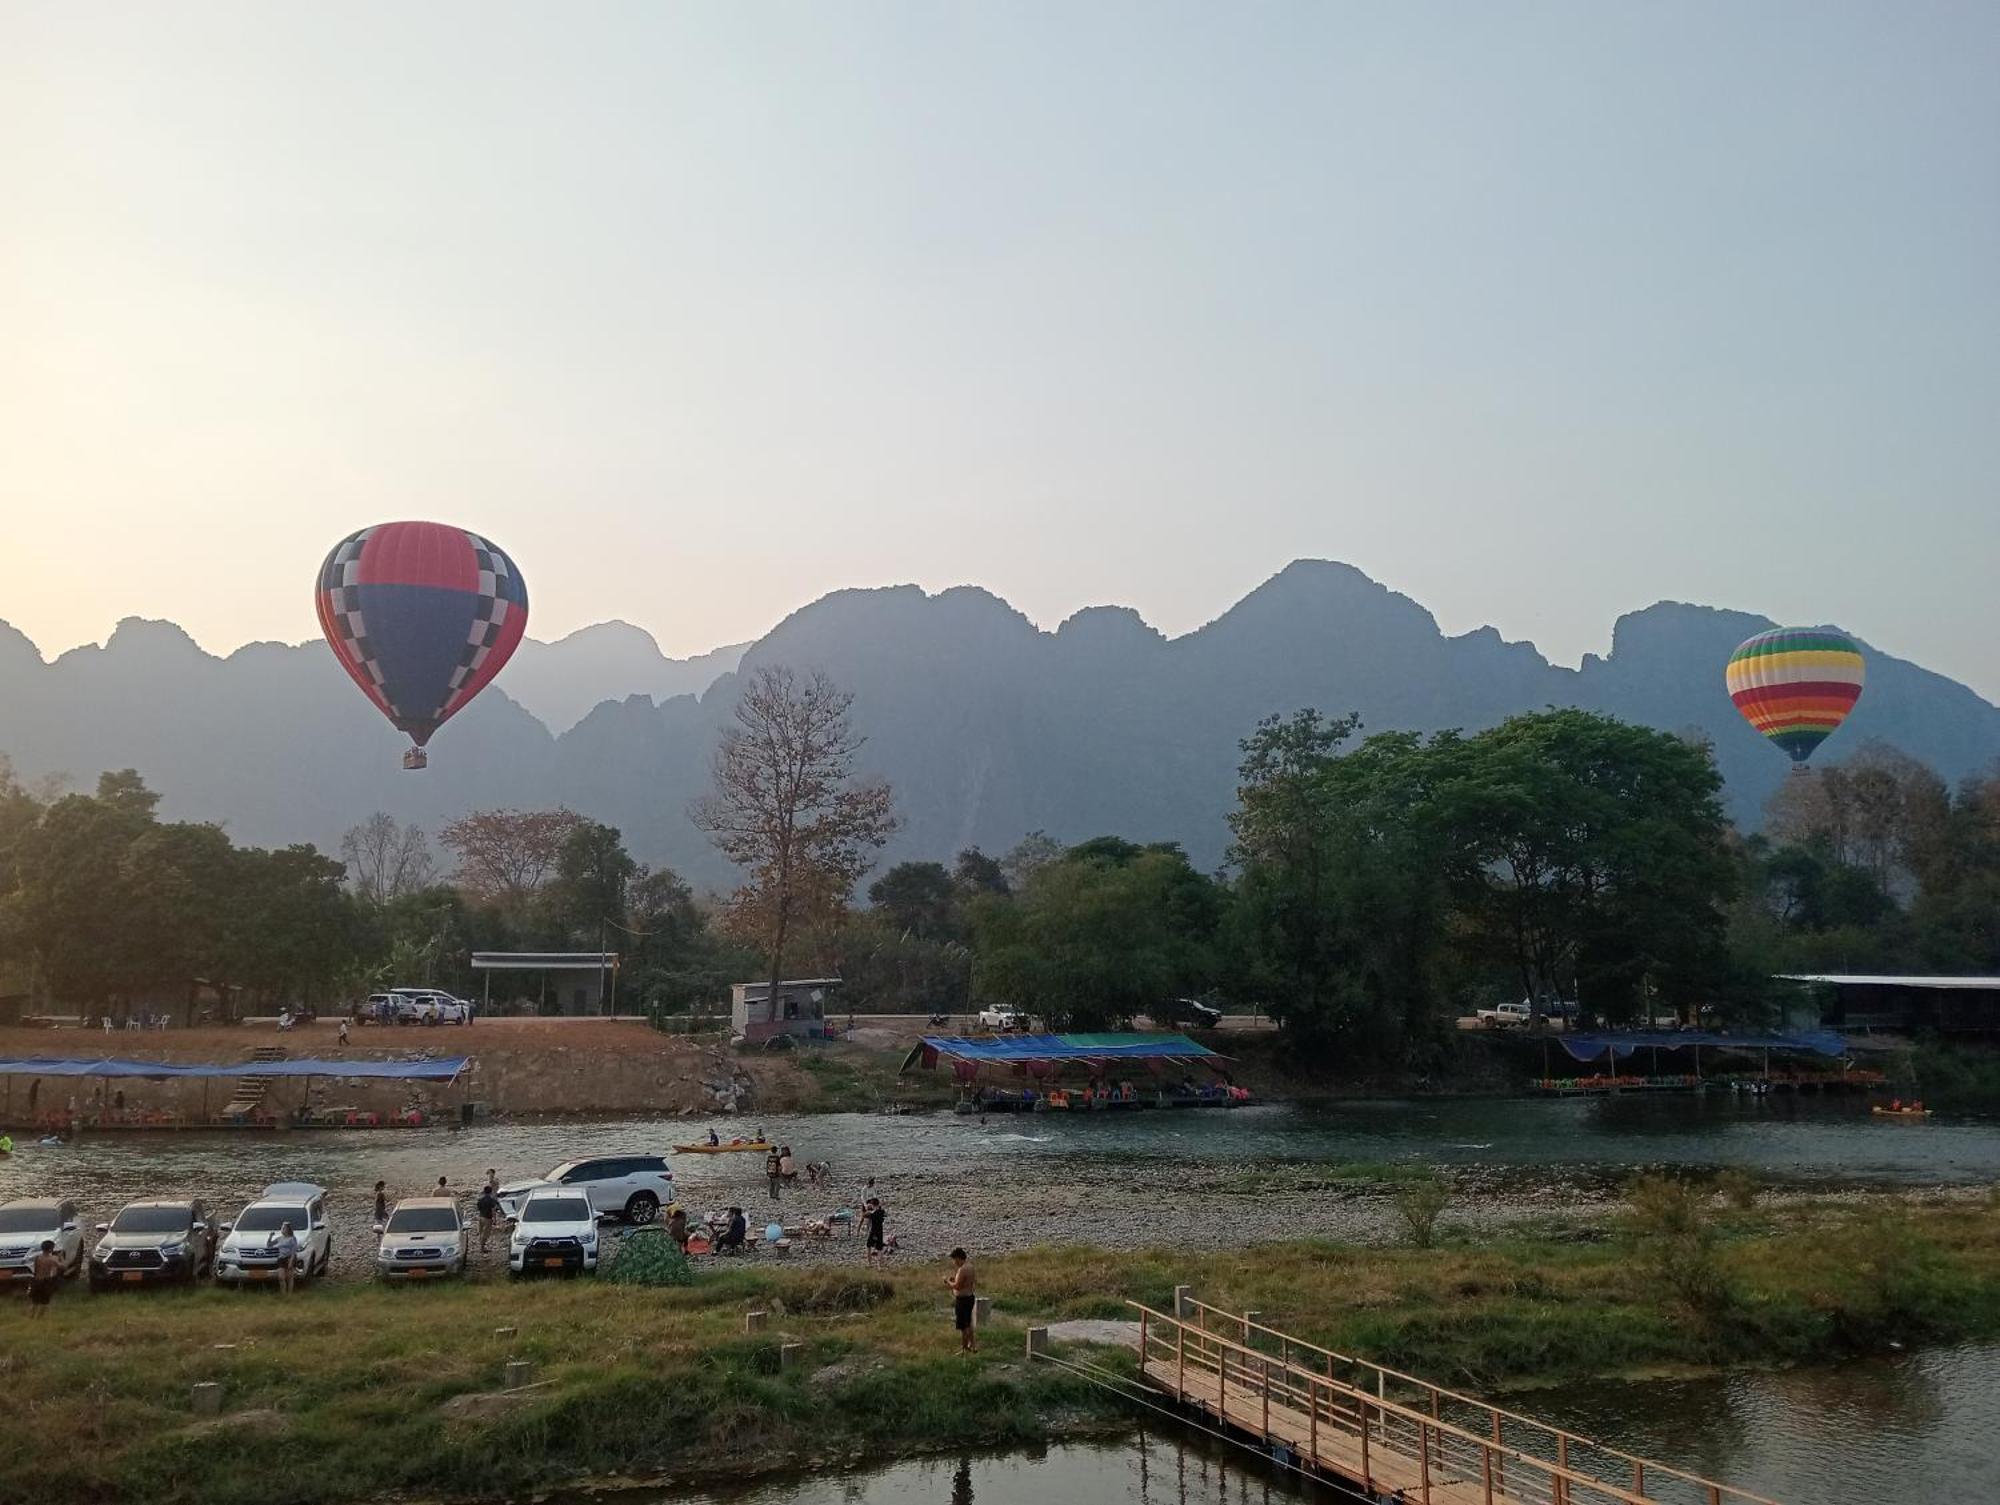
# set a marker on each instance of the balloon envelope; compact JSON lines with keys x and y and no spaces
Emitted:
{"x":1796,"y":685}
{"x":421,"y":616}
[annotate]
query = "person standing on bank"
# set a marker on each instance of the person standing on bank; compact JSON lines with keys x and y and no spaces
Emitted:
{"x":875,"y":1215}
{"x":963,"y":1301}
{"x":489,"y":1208}
{"x":43,"y":1278}
{"x":285,"y":1245}
{"x":774,"y":1171}
{"x":381,"y":1201}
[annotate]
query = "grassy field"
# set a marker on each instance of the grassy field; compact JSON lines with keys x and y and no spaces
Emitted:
{"x":352,"y":1393}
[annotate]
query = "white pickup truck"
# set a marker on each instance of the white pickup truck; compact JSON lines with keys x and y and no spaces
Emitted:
{"x":1507,"y":1015}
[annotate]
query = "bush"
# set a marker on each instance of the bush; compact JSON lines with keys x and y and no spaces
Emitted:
{"x":1418,"y":1204}
{"x":1672,"y":1220}
{"x":1738,"y":1187}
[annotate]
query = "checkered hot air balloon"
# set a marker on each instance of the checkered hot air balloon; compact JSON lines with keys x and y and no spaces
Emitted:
{"x":1796,"y":685}
{"x":421,"y":616}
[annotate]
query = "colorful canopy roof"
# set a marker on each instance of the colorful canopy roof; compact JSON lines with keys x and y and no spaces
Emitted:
{"x":1007,"y":1049}
{"x":1819,"y":1042}
{"x":441,"y":1070}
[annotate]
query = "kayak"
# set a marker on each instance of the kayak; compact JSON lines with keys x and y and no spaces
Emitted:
{"x":1901,"y":1112}
{"x":729,"y":1147}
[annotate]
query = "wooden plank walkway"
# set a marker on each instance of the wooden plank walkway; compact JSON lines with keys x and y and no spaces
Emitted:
{"x":1383,"y":1431}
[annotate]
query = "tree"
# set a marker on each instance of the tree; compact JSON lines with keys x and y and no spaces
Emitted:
{"x":1035,"y":850}
{"x":786,"y":809}
{"x":593,"y":872}
{"x":975,"y":873}
{"x":126,"y":793}
{"x":386,"y":860}
{"x":917,"y":898}
{"x":1092,"y":941}
{"x":505,"y":856}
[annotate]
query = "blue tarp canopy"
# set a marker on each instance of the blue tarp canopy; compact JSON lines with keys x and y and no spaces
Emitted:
{"x":1106,"y":1047}
{"x":1819,"y":1042}
{"x":441,"y":1070}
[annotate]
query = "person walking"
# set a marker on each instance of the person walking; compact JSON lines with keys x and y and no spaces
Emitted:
{"x":774,"y":1173}
{"x":963,"y":1300}
{"x":381,"y":1201}
{"x":343,"y":1031}
{"x":489,"y":1208}
{"x":285,"y":1244}
{"x":43,"y":1278}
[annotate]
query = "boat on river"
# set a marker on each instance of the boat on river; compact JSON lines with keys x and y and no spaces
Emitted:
{"x":1881,"y":1112}
{"x":727,"y":1147}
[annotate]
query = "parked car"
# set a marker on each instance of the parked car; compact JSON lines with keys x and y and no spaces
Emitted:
{"x":632,"y":1187}
{"x":1188,"y":1011}
{"x":246,"y":1255}
{"x":1002,"y":1019}
{"x":168,"y":1240}
{"x":423,"y":1239}
{"x":1507,"y":1015}
{"x":555,"y":1228}
{"x":27,"y":1224}
{"x":427,"y":1006}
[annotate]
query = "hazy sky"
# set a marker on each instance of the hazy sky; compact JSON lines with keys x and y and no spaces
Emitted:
{"x":1535,"y":312}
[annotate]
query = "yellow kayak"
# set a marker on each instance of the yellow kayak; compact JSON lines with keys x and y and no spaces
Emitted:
{"x":727,"y":1147}
{"x":1901,"y":1112}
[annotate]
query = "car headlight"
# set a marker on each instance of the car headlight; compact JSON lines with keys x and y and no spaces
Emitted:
{"x":102,"y":1252}
{"x":589,"y":1238}
{"x":177,"y":1247}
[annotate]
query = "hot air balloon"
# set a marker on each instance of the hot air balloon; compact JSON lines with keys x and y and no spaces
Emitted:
{"x":421,"y":616}
{"x":1796,"y":685}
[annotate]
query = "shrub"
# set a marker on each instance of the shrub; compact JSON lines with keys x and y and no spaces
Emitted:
{"x":1738,"y":1187}
{"x":1672,"y":1220}
{"x":1418,"y":1204}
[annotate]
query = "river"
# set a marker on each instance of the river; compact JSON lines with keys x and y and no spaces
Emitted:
{"x":1198,"y":1177}
{"x":1916,"y":1427}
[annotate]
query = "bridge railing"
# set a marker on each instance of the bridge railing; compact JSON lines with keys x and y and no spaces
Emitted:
{"x":1378,"y":1413}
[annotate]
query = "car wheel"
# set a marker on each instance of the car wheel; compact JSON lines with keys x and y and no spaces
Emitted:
{"x":643,"y":1207}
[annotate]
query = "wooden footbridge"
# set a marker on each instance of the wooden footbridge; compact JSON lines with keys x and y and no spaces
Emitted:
{"x":1386,"y":1433}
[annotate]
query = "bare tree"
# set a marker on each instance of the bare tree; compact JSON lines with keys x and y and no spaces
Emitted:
{"x":785,"y":808}
{"x":386,"y":860}
{"x":505,"y":856}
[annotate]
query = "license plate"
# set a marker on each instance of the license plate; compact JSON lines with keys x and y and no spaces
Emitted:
{"x":258,"y":1274}
{"x":132,"y":1275}
{"x":553,"y":1264}
{"x":416,"y":1274}
{"x":12,"y":1274}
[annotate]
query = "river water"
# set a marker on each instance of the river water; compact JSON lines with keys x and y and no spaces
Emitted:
{"x":1915,"y":1428}
{"x":1918,"y":1427}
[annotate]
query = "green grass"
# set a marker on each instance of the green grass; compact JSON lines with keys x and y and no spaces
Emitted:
{"x":342,"y":1392}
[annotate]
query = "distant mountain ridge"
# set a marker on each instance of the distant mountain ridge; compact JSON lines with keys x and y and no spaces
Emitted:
{"x":987,"y":726}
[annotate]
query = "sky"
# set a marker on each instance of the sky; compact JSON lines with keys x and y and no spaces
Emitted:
{"x":1536,"y":312}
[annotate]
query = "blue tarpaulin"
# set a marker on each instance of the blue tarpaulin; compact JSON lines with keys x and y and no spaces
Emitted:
{"x":441,"y":1070}
{"x":1107,"y":1047}
{"x":1819,"y":1042}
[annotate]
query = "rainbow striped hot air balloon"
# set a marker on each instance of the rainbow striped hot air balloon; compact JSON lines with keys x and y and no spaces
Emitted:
{"x":1796,"y":685}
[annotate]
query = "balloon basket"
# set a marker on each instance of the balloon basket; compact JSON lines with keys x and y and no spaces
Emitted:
{"x":416,"y":757}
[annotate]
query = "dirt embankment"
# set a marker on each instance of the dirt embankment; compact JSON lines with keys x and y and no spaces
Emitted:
{"x":518,"y":1066}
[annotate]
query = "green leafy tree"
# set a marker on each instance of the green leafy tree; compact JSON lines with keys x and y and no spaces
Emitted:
{"x":917,"y":898}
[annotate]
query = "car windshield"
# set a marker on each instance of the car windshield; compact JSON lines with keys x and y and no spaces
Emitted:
{"x":28,"y":1219}
{"x":424,"y":1220}
{"x":558,"y":1172}
{"x":152,"y":1220}
{"x":556,"y":1210}
{"x":266,"y":1219}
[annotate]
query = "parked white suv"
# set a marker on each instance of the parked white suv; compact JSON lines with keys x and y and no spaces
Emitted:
{"x":1002,"y":1019}
{"x":246,"y":1254}
{"x":632,"y":1187}
{"x":424,"y":1238}
{"x":554,"y":1229}
{"x":427,"y":1006}
{"x":26,"y":1225}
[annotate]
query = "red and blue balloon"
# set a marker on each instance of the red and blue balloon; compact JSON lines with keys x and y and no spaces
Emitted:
{"x":422,"y":616}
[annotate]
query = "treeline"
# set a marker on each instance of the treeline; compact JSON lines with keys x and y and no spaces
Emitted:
{"x":1375,"y":889}
{"x":107,"y":910}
